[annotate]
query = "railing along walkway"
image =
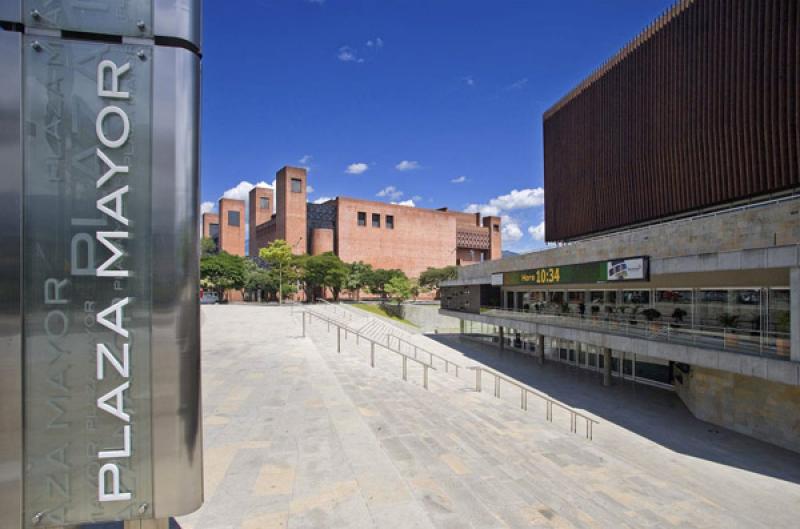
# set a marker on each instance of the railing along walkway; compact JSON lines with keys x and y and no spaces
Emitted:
{"x":450,"y":367}
{"x":756,"y":343}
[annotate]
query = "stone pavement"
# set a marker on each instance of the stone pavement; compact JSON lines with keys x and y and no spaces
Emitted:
{"x":298,"y":436}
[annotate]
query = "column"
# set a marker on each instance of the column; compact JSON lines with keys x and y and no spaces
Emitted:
{"x":502,"y":339}
{"x":794,"y":312}
{"x":540,"y":348}
{"x":606,"y":366}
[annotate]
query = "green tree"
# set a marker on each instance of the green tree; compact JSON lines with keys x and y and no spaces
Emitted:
{"x":357,"y":277}
{"x":399,"y":288}
{"x":378,"y":279}
{"x":279,"y":255}
{"x":325,"y":271}
{"x":433,"y":277}
{"x":207,"y":247}
{"x":223,"y":271}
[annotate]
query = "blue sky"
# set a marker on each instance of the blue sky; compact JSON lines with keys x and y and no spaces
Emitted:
{"x":353,"y":89}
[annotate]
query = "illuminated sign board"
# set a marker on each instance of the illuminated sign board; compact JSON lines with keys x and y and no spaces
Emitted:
{"x":629,"y":269}
{"x":87,"y":280}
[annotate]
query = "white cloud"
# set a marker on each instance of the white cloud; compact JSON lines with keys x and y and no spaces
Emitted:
{"x":516,"y":199}
{"x":407,"y":165}
{"x":390,"y":192}
{"x":511,"y":232}
{"x":468,"y":80}
{"x":458,"y":180}
{"x":409,"y":203}
{"x":320,"y":200}
{"x":377,"y":43}
{"x":309,"y":189}
{"x":537,"y":232}
{"x":356,"y":168}
{"x":306,"y":159}
{"x":416,"y":198}
{"x":348,"y":54}
{"x":207,"y":207}
{"x":516,"y":85}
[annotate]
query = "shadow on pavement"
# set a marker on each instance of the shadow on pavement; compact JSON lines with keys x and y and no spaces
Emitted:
{"x":656,"y":414}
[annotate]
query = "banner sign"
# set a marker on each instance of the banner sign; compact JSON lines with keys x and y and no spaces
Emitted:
{"x":629,"y":269}
{"x":87,"y":281}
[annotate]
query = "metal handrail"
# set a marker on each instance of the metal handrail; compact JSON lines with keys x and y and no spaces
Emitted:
{"x":574,"y":414}
{"x":525,"y":390}
{"x":431,"y":356}
{"x":340,"y":326}
{"x":737,"y":340}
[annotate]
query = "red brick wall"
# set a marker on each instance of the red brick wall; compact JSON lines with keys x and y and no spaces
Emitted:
{"x":421,"y":238}
{"x":495,"y":238}
{"x":321,"y":241}
{"x":231,"y":238}
{"x":290,"y":213}
{"x":257,"y":215}
{"x":208,"y":219}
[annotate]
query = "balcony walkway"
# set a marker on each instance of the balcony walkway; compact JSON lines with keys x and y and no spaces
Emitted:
{"x":298,"y":436}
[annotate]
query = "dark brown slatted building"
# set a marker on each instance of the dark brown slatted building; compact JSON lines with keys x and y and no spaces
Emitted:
{"x":701,"y":110}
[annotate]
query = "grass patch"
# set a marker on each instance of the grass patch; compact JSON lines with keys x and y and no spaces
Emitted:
{"x":379,"y":310}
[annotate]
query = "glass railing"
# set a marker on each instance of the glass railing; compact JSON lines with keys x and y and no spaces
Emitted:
{"x":737,"y":340}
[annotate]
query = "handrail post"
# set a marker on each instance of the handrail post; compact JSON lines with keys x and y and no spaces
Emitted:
{"x":425,"y":376}
{"x":478,"y":379}
{"x":497,"y":386}
{"x":303,"y":317}
{"x":415,"y":351}
{"x":372,"y":354}
{"x":338,"y":339}
{"x":405,"y":367}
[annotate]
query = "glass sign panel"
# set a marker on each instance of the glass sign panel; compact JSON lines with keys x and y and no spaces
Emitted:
{"x":132,"y":18}
{"x":87,"y":277}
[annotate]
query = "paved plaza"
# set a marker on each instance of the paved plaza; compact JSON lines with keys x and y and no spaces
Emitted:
{"x":298,"y":436}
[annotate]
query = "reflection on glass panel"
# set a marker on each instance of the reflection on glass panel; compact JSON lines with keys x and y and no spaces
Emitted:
{"x":778,"y":312}
{"x":556,"y":296}
{"x":597,"y":296}
{"x":674,"y":296}
{"x":611,"y":297}
{"x":636,"y":297}
{"x":576,"y":296}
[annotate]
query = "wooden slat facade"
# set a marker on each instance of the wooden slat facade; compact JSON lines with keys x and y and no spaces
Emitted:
{"x":698,"y":111}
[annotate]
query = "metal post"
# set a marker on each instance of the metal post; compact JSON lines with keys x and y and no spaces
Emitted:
{"x":405,"y":367}
{"x":478,"y":379}
{"x":606,"y":366}
{"x":415,"y":351}
{"x":303,"y":316}
{"x":502,"y":339}
{"x":425,"y":376}
{"x":338,"y":339}
{"x":430,"y":358}
{"x":372,"y":354}
{"x":497,"y":386}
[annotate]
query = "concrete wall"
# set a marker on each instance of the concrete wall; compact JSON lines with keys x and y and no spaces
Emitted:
{"x":769,"y":411}
{"x":427,"y":317}
{"x":774,"y":229}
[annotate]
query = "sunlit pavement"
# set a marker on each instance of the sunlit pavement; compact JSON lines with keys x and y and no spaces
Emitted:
{"x":298,"y":436}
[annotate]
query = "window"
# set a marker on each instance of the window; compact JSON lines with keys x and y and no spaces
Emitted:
{"x":376,"y":220}
{"x":233,"y":218}
{"x":263,"y":202}
{"x":362,"y":218}
{"x":297,"y":185}
{"x":213,"y":230}
{"x":389,"y":222}
{"x":496,"y":227}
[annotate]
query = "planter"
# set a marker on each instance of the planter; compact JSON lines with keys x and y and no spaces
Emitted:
{"x":655,"y":327}
{"x":731,"y":340}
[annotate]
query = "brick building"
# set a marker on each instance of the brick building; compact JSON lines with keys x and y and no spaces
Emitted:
{"x":382,"y":235}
